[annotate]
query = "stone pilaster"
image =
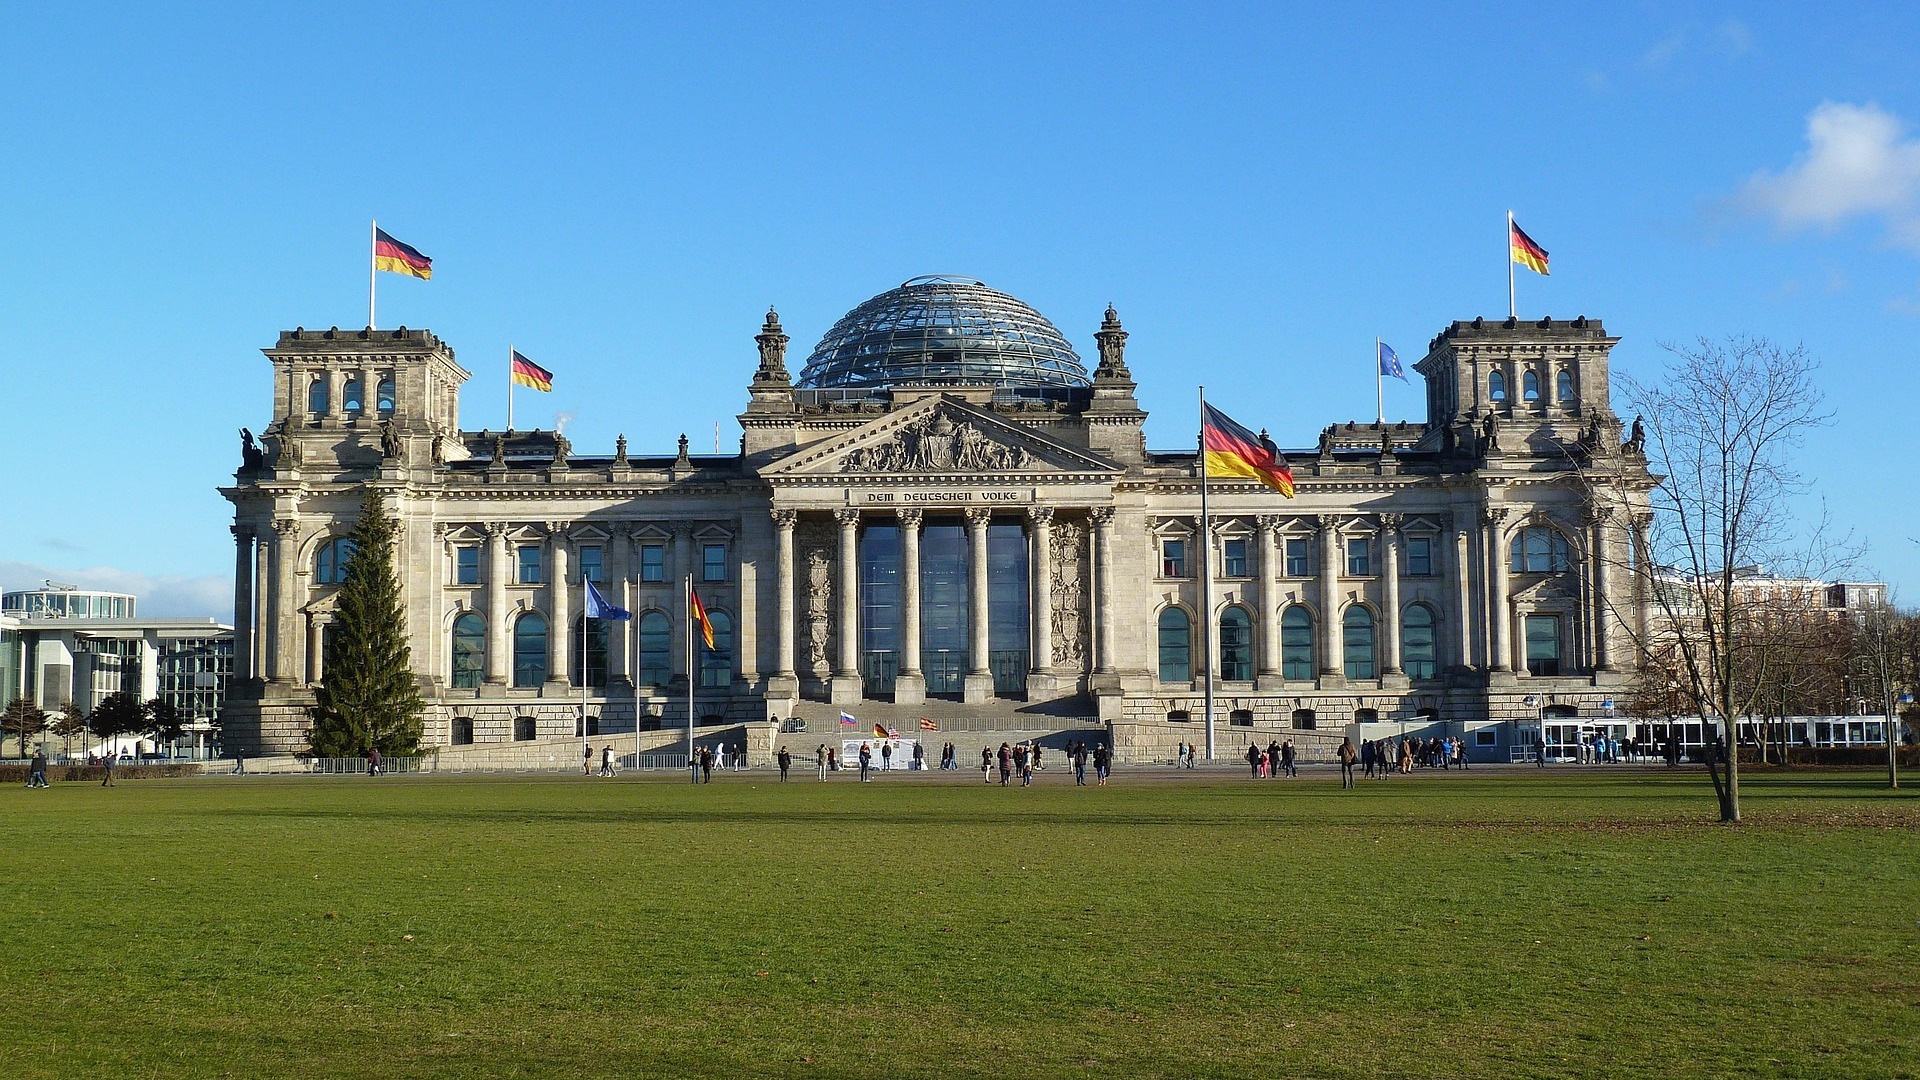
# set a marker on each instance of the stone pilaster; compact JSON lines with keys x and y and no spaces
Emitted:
{"x":910,"y":686}
{"x":1601,"y":553}
{"x":978,"y":684}
{"x":1499,"y":620}
{"x":1266,"y":592}
{"x":845,"y":686}
{"x":783,"y":584}
{"x":1463,"y":598}
{"x":1103,"y":588}
{"x":286,"y":601}
{"x":242,"y":605}
{"x":499,"y":570}
{"x":1330,"y":666}
{"x":1390,"y":591}
{"x":560,"y":671}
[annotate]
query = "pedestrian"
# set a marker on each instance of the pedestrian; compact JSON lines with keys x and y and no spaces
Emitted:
{"x":785,"y":760}
{"x":1102,"y":764}
{"x":106,"y":780}
{"x":1539,"y":751}
{"x":986,"y":764}
{"x":1253,"y":759}
{"x":833,"y":759}
{"x":1287,"y":753}
{"x":1026,"y":761}
{"x":373,"y":762}
{"x":606,"y":760}
{"x":820,"y":760}
{"x":919,"y":762}
{"x":1193,"y":754}
{"x":1079,"y":754}
{"x":1367,"y":754}
{"x":1347,"y":758}
{"x":1460,"y":753}
{"x":37,"y":770}
{"x":740,"y":756}
{"x":586,"y":761}
{"x":1006,"y":763}
{"x":866,"y":759}
{"x":886,"y":756}
{"x":1273,"y":759}
{"x":706,"y":764}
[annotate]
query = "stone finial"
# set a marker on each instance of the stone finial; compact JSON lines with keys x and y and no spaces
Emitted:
{"x":499,"y":453}
{"x":683,"y":461}
{"x":1113,"y":347}
{"x":620,"y":451}
{"x":773,"y":352}
{"x":562,"y":450}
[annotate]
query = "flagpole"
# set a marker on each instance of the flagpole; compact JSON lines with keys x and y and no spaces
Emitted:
{"x":686,"y":606}
{"x":509,"y":386}
{"x":586,"y":638}
{"x":1513,"y":309}
{"x":1206,"y":576}
{"x":1379,"y":383}
{"x":633,"y":653}
{"x":373,"y":273}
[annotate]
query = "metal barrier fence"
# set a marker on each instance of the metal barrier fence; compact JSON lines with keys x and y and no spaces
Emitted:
{"x":351,"y":766}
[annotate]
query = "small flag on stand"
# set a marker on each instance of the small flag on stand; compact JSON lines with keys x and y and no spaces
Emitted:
{"x":928,"y":725}
{"x":1390,"y":363}
{"x":880,"y":731}
{"x":528,"y":373}
{"x":1525,"y":251}
{"x":698,"y":613}
{"x":847,"y":720}
{"x":397,"y":258}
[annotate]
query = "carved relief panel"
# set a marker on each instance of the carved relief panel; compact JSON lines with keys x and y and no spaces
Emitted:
{"x":814,"y":544}
{"x":1070,"y":591}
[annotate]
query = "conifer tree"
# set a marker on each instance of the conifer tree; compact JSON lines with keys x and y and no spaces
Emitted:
{"x":368,"y":697}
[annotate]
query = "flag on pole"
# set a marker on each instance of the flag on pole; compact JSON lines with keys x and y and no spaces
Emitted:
{"x":880,"y":731}
{"x":1390,"y":363}
{"x":1525,"y":251}
{"x":928,"y":725}
{"x":397,"y":258}
{"x":599,"y":608}
{"x":698,"y":613}
{"x":1234,"y":451}
{"x":847,"y":720}
{"x":528,"y":373}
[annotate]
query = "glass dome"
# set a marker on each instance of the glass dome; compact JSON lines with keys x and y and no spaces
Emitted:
{"x":938,"y":330}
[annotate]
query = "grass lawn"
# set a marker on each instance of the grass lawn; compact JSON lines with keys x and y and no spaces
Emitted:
{"x":1571,"y":923}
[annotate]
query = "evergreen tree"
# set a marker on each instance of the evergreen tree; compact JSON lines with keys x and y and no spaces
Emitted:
{"x":24,"y":720}
{"x":368,"y":697}
{"x":118,"y":714}
{"x":164,"y":722}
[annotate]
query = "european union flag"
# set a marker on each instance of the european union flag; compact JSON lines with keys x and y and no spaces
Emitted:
{"x":598,"y":608}
{"x":1390,"y":363}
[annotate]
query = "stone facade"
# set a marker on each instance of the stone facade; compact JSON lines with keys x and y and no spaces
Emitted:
{"x":1401,"y":584}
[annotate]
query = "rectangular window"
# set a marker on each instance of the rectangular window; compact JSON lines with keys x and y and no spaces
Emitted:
{"x":653,"y":562}
{"x":1173,"y":558}
{"x":1233,"y":558}
{"x":1359,"y":557}
{"x":1419,"y":556}
{"x":529,"y":555}
{"x":590,"y":562}
{"x":713,"y":562}
{"x":1543,"y":645}
{"x":1297,"y":562}
{"x":466,"y":566}
{"x":1486,"y":737}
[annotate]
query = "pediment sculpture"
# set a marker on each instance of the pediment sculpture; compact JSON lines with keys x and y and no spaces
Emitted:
{"x":938,"y":443}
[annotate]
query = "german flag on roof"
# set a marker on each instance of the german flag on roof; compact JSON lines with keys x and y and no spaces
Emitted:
{"x":397,"y":258}
{"x":1232,"y":450}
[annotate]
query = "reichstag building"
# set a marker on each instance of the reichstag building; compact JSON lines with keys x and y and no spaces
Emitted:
{"x":947,"y":514}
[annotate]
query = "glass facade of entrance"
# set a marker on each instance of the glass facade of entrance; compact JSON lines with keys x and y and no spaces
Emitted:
{"x":945,"y":607}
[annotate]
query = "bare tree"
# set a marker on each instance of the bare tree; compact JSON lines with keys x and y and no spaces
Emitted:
{"x":1720,"y":423}
{"x":1884,"y":646}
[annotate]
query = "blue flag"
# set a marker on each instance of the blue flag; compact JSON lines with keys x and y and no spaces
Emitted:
{"x":598,"y":608}
{"x":1390,"y":363}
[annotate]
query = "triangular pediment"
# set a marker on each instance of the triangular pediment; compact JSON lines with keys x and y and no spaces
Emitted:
{"x":941,"y":436}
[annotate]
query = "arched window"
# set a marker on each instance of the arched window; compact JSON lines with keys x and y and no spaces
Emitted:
{"x":1296,"y":643}
{"x":1356,"y":643}
{"x":1176,"y":646}
{"x":462,"y":731}
{"x":1530,"y":386}
{"x":383,"y":396}
{"x":352,"y":397}
{"x":1496,"y":387}
{"x":1236,"y":645}
{"x":530,"y":650}
{"x":1418,"y":651}
{"x":590,"y":636}
{"x":317,"y":396}
{"x":716,"y":664}
{"x":1563,"y":385}
{"x":1538,"y":549}
{"x":656,"y":649}
{"x":469,"y":652}
{"x":330,"y":562}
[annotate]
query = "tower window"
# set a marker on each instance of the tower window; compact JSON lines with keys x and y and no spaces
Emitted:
{"x":352,"y":399}
{"x":1496,"y":387}
{"x":317,"y":396}
{"x":1530,"y":386}
{"x":1563,"y":385}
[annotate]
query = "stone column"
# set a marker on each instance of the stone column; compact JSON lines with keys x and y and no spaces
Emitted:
{"x":242,"y":604}
{"x":1463,"y":598}
{"x":783,"y":523}
{"x":286,"y":601}
{"x":1040,"y":578}
{"x":1499,"y":624}
{"x":262,"y":604}
{"x":336,"y":396}
{"x":1330,"y":666}
{"x":499,"y":569}
{"x":1102,"y":606}
{"x":559,"y":624}
{"x":845,"y":687}
{"x":316,"y":650}
{"x":910,"y":686}
{"x":978,"y":684}
{"x":1390,"y":592}
{"x":1267,"y":593}
{"x":1602,"y":600}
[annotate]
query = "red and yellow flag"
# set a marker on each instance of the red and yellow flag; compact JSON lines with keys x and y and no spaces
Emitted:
{"x":527,"y":373}
{"x":1232,"y":450}
{"x":397,"y":258}
{"x":1525,"y":251}
{"x":698,"y":613}
{"x":928,"y":725}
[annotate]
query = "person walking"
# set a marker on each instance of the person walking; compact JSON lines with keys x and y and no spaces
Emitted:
{"x":606,"y":760}
{"x":37,"y":770}
{"x":785,"y":759}
{"x":866,"y":760}
{"x":373,"y":762}
{"x":1102,"y":764}
{"x":1006,"y":763}
{"x":1029,"y":762}
{"x":1253,"y":759}
{"x":820,"y":760}
{"x":1347,"y":757}
{"x":1273,"y":759}
{"x":706,"y":764}
{"x":1539,"y":751}
{"x":986,"y":763}
{"x":1078,"y":752}
{"x":586,"y":761}
{"x":107,"y":761}
{"x":1287,"y":753}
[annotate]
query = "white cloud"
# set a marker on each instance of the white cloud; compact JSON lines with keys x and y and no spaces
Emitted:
{"x":1859,"y":163}
{"x":170,"y":596}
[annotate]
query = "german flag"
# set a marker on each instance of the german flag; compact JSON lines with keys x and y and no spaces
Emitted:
{"x":527,"y":373}
{"x":397,"y":258}
{"x":698,"y":613}
{"x":1232,"y":450}
{"x":1525,"y":251}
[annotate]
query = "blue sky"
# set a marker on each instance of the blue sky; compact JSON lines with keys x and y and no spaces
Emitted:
{"x":620,"y":191}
